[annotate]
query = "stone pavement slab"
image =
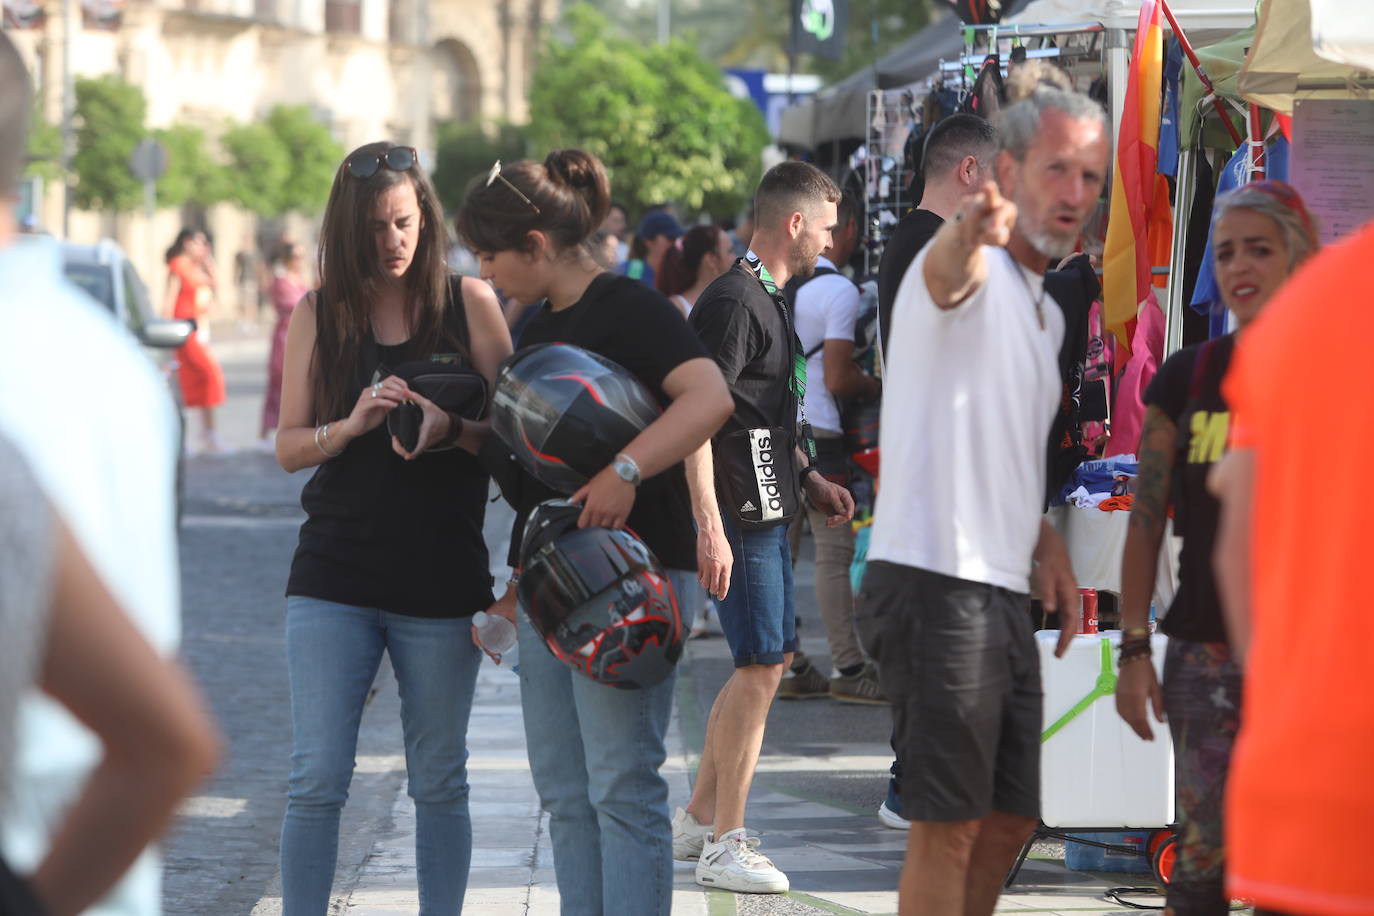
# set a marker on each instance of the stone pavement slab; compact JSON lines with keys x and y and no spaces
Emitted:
{"x":840,"y":863}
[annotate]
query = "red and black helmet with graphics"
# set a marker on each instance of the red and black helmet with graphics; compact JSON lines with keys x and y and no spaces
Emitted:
{"x":564,"y":412}
{"x":599,"y":599}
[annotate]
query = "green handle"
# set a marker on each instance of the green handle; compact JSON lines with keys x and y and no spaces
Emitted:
{"x":1105,"y":687}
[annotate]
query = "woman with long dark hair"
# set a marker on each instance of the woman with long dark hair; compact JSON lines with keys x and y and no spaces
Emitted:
{"x":595,"y":750}
{"x":190,"y":289}
{"x":391,"y":556}
{"x":698,"y":257}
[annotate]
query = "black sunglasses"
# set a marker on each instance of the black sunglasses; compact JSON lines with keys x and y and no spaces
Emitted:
{"x":365,"y":165}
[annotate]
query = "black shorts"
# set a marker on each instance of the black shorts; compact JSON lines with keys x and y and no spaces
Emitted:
{"x":959,"y":662}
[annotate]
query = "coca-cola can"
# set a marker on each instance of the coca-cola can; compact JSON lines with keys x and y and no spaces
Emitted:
{"x":1087,"y":618}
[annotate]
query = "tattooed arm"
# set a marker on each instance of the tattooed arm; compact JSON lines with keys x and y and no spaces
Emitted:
{"x":1140,"y":560}
{"x":1149,"y":512}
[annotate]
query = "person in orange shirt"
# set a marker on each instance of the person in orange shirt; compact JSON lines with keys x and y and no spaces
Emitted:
{"x":189,"y":291}
{"x":1292,"y":555}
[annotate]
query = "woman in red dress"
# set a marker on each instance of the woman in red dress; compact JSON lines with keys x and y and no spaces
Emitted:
{"x":189,"y":293}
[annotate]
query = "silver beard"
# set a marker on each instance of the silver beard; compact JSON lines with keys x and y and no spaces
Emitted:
{"x":1048,"y":244}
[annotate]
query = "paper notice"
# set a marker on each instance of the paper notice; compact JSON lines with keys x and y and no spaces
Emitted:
{"x":1333,"y":162}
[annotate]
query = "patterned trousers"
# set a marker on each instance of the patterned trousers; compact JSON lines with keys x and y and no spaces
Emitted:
{"x":1202,"y":696}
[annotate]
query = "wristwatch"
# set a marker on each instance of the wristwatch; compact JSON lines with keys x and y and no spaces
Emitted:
{"x":626,"y":469}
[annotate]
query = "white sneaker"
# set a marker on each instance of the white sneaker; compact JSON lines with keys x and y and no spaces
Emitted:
{"x":706,"y":623}
{"x":688,"y":836}
{"x":734,"y":864}
{"x":890,"y":818}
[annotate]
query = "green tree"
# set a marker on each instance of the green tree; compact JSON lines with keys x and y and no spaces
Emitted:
{"x":259,"y":167}
{"x":660,"y":117}
{"x":192,"y":176}
{"x":283,"y":163}
{"x":45,"y":147}
{"x":756,"y":34}
{"x":313,"y":155}
{"x":109,"y":124}
{"x":464,"y":151}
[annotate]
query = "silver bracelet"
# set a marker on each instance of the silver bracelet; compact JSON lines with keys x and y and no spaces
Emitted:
{"x":326,"y":438}
{"x":324,"y":451}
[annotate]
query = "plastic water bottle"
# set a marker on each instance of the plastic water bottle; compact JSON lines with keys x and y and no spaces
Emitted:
{"x":497,"y":634}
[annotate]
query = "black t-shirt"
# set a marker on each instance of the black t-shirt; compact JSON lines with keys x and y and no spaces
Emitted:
{"x":743,"y":328}
{"x":1188,"y":389}
{"x":401,"y":536}
{"x":638,"y":328}
{"x":1074,"y":288}
{"x":907,"y":239}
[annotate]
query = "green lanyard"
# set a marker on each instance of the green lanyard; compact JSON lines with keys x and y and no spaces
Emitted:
{"x":798,"y":381}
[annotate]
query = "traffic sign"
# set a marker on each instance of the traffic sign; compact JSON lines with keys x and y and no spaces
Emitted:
{"x":148,"y":162}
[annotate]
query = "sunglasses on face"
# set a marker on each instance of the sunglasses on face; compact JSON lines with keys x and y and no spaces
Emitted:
{"x":495,"y":175}
{"x":365,"y":165}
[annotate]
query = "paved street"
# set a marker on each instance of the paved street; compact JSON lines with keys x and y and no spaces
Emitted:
{"x":822,"y":775}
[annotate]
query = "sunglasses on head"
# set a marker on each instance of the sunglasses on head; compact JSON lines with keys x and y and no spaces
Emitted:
{"x":398,"y":159}
{"x":495,"y":175}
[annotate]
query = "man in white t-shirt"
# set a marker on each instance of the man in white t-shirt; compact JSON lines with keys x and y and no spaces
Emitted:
{"x":972,"y":385}
{"x":827,"y":309}
{"x":97,"y":425}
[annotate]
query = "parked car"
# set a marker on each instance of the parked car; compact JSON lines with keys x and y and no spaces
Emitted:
{"x":105,"y":272}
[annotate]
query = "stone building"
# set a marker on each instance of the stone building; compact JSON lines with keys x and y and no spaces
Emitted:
{"x":368,"y":69}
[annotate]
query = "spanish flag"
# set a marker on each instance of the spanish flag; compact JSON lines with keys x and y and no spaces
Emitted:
{"x":1139,"y":223}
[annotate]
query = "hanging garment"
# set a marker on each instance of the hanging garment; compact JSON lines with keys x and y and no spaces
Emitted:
{"x":1147,"y":349}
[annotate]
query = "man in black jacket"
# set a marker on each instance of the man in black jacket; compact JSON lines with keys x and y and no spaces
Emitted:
{"x":746,"y":324}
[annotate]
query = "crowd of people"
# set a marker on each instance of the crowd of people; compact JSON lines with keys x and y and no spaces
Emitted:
{"x":750,"y":358}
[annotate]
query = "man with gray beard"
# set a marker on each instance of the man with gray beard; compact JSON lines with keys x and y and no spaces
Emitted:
{"x":959,"y":542}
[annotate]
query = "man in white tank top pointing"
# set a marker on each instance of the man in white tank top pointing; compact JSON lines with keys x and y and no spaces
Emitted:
{"x":958,"y":533}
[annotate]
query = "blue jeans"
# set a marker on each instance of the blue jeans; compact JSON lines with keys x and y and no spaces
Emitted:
{"x":595,"y":752}
{"x":332,"y":654}
{"x":757,"y":614}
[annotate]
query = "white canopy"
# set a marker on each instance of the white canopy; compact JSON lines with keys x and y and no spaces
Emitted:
{"x":1344,"y":32}
{"x":1203,"y":20}
{"x":1308,"y":49}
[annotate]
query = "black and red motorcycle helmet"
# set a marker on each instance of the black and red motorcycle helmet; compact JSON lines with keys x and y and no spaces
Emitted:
{"x":599,"y":599}
{"x":565,"y":412}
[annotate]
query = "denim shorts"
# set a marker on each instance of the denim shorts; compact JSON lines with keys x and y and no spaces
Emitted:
{"x":758,"y":615}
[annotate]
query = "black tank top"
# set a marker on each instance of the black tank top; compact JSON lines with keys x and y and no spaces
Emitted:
{"x":398,"y":536}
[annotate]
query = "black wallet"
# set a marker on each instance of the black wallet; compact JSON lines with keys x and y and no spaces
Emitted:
{"x":456,"y":389}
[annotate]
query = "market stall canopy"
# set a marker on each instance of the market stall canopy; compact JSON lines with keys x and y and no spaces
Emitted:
{"x":839,"y":111}
{"x":1309,"y":49}
{"x":1343,"y":34}
{"x":1222,"y":61}
{"x":1203,"y":20}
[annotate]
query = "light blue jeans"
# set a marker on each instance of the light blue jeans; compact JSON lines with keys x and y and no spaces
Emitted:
{"x":595,"y":752}
{"x":332,"y":654}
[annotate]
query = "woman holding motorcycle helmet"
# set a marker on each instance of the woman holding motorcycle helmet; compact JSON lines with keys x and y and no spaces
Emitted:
{"x":595,"y":750}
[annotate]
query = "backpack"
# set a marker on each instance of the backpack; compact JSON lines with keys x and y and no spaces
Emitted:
{"x":858,"y":419}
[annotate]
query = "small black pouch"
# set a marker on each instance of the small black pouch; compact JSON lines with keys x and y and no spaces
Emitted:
{"x":756,"y":471}
{"x":455,"y":389}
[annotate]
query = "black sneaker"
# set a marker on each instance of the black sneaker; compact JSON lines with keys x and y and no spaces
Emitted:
{"x":804,"y":684}
{"x":861,"y":687}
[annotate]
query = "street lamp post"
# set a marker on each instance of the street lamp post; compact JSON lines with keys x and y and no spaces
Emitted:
{"x":665,"y":20}
{"x":69,"y":24}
